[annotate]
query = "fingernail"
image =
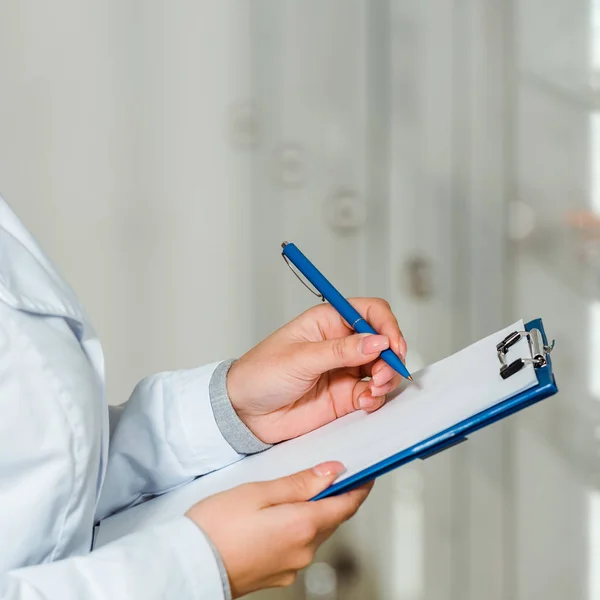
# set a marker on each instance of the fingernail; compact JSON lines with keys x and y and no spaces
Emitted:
{"x":381,"y":377}
{"x":373,"y":344}
{"x":328,"y":469}
{"x":366,"y":402}
{"x":377,"y":392}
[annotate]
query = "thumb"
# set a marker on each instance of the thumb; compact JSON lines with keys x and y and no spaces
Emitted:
{"x":350,"y":351}
{"x":302,"y":486}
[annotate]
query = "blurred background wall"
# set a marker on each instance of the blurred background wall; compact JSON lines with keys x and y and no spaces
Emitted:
{"x":442,"y":154}
{"x":117,"y":151}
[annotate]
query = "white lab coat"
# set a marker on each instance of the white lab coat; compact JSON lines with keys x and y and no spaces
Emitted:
{"x":59,"y":471}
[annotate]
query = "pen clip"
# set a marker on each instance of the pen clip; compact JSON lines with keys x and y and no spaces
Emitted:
{"x":301,"y":280}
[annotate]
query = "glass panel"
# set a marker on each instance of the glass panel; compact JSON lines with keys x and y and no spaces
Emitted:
{"x":413,"y":106}
{"x":557,"y":168}
{"x":594,"y":545}
{"x":557,"y":261}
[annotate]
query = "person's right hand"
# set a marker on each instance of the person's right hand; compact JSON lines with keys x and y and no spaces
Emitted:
{"x":266,"y":532}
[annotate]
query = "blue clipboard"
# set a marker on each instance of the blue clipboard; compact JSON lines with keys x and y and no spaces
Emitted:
{"x":458,"y":433}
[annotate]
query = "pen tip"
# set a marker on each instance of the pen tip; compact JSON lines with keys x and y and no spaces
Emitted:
{"x":415,"y":383}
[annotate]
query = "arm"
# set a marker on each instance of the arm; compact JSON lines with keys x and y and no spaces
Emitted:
{"x":181,"y":425}
{"x":47,"y":440}
{"x":176,"y":426}
{"x":173,"y":559}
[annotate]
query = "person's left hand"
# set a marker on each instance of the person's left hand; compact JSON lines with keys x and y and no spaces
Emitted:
{"x":312,"y":371}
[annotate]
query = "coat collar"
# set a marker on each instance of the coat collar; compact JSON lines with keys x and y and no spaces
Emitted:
{"x":28,"y":279}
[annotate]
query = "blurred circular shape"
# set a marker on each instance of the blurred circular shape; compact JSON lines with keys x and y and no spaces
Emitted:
{"x":345,"y":211}
{"x":586,"y":222}
{"x":320,"y":580}
{"x":291,"y":165}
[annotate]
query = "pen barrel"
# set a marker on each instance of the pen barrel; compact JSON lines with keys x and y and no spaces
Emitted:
{"x":361,"y":326}
{"x":320,"y":282}
{"x":391,"y":359}
{"x":341,"y":305}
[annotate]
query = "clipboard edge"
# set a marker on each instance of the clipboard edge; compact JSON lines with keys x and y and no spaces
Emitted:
{"x":457,"y":433}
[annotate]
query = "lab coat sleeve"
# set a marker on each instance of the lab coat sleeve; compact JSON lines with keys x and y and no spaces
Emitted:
{"x":170,"y":560}
{"x":167,"y":434}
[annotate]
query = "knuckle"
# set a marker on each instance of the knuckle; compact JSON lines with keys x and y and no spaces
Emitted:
{"x":356,"y":503}
{"x":303,"y":529}
{"x":304,"y":558}
{"x":383,"y":303}
{"x":308,"y":531}
{"x":350,"y":507}
{"x":298,"y":483}
{"x":286,"y":579}
{"x":353,"y":509}
{"x":338,"y":348}
{"x":317,"y":312}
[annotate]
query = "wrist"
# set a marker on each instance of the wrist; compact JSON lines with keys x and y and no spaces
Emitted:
{"x":236,"y":431}
{"x":235,"y":390}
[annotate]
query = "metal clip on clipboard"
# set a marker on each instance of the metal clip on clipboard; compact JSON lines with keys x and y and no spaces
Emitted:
{"x":539,"y":352}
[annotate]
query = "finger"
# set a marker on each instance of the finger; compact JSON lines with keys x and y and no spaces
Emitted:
{"x":382,"y":373}
{"x":370,"y":403}
{"x":323,"y":536}
{"x":324,"y":322}
{"x":360,"y":396}
{"x":363,"y":397}
{"x":330,"y":513}
{"x":382,"y":390}
{"x":301,"y":486}
{"x":379,"y":315}
{"x":371,"y":368}
{"x":367,"y":370}
{"x":350,"y":351}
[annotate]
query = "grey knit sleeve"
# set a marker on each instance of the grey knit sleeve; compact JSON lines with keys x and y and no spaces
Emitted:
{"x":233,"y":429}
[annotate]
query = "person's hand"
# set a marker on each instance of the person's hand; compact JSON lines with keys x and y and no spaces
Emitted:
{"x":266,"y":532}
{"x":312,"y":371}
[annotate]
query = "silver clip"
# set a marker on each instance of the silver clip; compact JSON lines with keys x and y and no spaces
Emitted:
{"x":300,"y":277}
{"x":539,"y":351}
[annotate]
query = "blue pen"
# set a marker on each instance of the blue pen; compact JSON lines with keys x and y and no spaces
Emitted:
{"x":346,"y":310}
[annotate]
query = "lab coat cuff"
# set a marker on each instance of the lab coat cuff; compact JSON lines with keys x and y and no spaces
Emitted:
{"x":233,"y":429}
{"x":222,"y":569}
{"x":202,"y":448}
{"x":198,"y":554}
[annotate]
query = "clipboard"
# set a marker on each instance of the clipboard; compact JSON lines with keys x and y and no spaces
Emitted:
{"x":513,"y":372}
{"x":457,"y":434}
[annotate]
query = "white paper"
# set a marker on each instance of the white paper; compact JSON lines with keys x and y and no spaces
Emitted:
{"x":446,"y":393}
